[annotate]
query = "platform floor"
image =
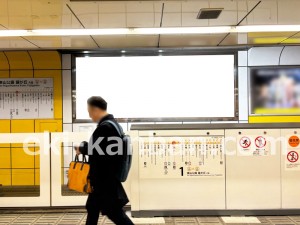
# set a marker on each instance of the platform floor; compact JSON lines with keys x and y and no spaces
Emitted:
{"x":78,"y":217}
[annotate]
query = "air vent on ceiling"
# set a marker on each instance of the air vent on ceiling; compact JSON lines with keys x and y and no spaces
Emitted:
{"x":209,"y":13}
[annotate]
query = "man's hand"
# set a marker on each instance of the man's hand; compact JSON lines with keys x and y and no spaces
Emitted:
{"x":77,"y":150}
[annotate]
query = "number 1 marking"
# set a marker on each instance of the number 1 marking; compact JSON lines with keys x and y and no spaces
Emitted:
{"x":181,"y":168}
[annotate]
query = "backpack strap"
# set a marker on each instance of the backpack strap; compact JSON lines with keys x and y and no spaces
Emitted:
{"x":117,"y":127}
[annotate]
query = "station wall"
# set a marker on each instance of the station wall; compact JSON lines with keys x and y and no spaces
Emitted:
{"x":16,"y":167}
{"x":256,"y":56}
{"x":273,"y":56}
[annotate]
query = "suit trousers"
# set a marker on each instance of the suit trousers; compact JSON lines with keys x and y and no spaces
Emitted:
{"x":112,"y":209}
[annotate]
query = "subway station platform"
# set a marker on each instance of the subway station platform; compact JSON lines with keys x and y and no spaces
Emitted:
{"x":78,"y":217}
{"x":197,"y":100}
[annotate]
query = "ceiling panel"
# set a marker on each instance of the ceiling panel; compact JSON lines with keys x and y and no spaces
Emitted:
{"x":3,"y":21}
{"x":46,"y":22}
{"x":140,"y":20}
{"x":190,"y":40}
{"x":65,"y":9}
{"x":157,"y":19}
{"x":140,"y":7}
{"x":89,"y":20}
{"x":45,"y":42}
{"x":194,"y":6}
{"x":170,"y":19}
{"x":123,"y":41}
{"x":230,"y":40}
{"x":169,"y":7}
{"x":37,"y":14}
{"x":112,"y":20}
{"x":265,"y":13}
{"x":242,"y":8}
{"x":3,"y":8}
{"x":79,"y":42}
{"x":65,"y":42}
{"x":14,"y":42}
{"x":227,"y":5}
{"x":66,"y":21}
{"x":19,"y":8}
{"x":5,"y":43}
{"x":75,"y":24}
{"x":226,"y":18}
{"x":45,"y":7}
{"x":190,"y":20}
{"x":20,"y":22}
{"x":112,"y":7}
{"x":288,"y":12}
{"x":85,"y":8}
{"x":88,"y":13}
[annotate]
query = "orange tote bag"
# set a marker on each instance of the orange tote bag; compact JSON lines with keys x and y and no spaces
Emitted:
{"x":78,"y":175}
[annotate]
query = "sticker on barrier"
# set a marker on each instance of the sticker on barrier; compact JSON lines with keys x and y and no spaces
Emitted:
{"x":250,"y":145}
{"x":294,"y":141}
{"x":292,"y":156}
{"x":292,"y":161}
{"x":245,"y":142}
{"x":260,"y":142}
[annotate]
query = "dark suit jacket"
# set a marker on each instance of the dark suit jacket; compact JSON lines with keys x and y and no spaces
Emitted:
{"x":103,"y":168}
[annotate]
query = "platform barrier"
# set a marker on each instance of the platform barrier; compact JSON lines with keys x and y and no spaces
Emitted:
{"x":35,"y":176}
{"x":219,"y":168}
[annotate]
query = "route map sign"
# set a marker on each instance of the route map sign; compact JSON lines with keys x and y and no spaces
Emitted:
{"x":181,"y":157}
{"x":26,"y":98}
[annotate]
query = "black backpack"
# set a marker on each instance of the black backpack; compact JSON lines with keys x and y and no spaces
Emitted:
{"x":125,"y":164}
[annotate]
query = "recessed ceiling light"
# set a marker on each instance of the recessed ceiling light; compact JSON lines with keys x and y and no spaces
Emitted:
{"x":123,"y":51}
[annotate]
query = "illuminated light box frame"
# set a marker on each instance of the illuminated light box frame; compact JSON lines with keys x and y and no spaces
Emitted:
{"x":159,"y":88}
{"x":274,"y":91}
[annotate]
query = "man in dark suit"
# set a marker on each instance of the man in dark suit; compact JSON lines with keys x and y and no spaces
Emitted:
{"x":108,"y":195}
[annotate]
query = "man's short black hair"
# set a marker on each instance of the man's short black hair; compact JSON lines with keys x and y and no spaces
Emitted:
{"x":98,"y":102}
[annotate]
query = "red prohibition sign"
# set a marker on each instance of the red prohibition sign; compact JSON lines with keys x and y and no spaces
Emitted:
{"x":260,"y":142}
{"x":245,"y":142}
{"x":292,"y":156}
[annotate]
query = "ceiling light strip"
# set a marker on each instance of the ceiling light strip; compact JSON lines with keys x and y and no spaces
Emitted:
{"x":151,"y":31}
